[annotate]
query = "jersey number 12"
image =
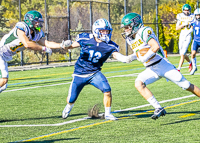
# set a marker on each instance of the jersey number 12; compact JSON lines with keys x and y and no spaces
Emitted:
{"x":94,"y":56}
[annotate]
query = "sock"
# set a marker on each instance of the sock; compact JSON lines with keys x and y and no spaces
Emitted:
{"x":194,"y":62}
{"x":68,"y":107}
{"x":3,"y":88}
{"x":179,"y":68}
{"x":107,"y":110}
{"x":152,"y":100}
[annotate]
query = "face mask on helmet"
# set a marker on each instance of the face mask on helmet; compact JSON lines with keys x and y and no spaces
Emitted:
{"x":34,"y":20}
{"x":131,"y":23}
{"x":186,"y":9}
{"x":197,"y":14}
{"x":38,"y":23}
{"x":102,"y":24}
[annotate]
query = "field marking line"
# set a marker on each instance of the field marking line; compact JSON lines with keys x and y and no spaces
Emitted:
{"x":41,"y":76}
{"x":69,"y":72}
{"x":71,"y":77}
{"x":85,"y":118}
{"x":35,"y":87}
{"x":72,"y":72}
{"x":96,"y":124}
{"x":188,"y":115}
{"x":135,"y":74}
{"x":65,"y":131}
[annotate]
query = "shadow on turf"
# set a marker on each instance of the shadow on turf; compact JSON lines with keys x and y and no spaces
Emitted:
{"x":147,"y":115}
{"x":13,"y":120}
{"x":48,"y":141}
{"x":176,"y":122}
{"x":181,"y":121}
{"x":131,"y":114}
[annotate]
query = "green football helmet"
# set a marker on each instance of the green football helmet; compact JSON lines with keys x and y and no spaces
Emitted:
{"x":186,"y":7}
{"x":31,"y":18}
{"x":132,"y":20}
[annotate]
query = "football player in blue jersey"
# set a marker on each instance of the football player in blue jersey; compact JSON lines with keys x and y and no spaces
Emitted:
{"x":26,"y":34}
{"x":196,"y":41}
{"x":96,"y":47}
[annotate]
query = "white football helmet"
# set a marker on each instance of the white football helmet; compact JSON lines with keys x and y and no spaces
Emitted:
{"x":102,"y":24}
{"x":197,"y":11}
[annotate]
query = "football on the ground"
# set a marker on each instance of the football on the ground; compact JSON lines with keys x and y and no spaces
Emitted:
{"x":143,"y":52}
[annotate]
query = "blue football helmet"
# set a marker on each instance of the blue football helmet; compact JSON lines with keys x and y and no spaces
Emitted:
{"x":102,"y":24}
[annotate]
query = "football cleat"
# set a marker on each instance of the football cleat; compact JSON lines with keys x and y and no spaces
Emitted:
{"x":190,"y":67}
{"x":110,"y":117}
{"x":178,"y":70}
{"x":193,"y":70}
{"x":65,"y":113}
{"x":158,"y":112}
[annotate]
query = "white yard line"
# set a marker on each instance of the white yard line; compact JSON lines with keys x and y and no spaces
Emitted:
{"x":85,"y":118}
{"x":36,"y":87}
{"x":135,"y":74}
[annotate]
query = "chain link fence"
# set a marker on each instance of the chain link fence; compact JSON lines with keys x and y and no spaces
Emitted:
{"x":64,"y":19}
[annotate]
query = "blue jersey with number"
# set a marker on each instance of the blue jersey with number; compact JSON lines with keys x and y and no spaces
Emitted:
{"x":93,"y":54}
{"x":196,"y":30}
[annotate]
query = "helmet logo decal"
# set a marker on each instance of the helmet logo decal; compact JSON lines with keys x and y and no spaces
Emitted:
{"x":30,"y":16}
{"x":135,"y":20}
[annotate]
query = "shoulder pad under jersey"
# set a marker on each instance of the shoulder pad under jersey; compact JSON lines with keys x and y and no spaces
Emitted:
{"x":84,"y":36}
{"x":23,"y":26}
{"x":113,"y":44}
{"x":146,"y":33}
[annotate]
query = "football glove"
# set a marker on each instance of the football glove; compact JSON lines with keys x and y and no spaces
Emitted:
{"x":65,"y":44}
{"x":47,"y":50}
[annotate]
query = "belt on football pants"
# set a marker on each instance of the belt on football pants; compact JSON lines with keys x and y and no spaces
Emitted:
{"x":154,"y":63}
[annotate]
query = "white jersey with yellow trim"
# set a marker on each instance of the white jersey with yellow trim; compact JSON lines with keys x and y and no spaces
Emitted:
{"x":184,"y":19}
{"x":142,"y":37}
{"x":10,"y":43}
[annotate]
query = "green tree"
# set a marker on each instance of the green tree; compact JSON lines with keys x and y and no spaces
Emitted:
{"x":3,"y":20}
{"x":161,"y":34}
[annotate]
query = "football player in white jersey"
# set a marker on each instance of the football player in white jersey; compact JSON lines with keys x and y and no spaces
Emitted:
{"x":157,"y":66}
{"x":183,"y":20}
{"x":27,"y":34}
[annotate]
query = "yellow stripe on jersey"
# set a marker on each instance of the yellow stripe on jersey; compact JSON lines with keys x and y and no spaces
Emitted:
{"x":16,"y":47}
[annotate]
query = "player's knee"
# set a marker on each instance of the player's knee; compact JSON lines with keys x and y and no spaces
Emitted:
{"x":3,"y":81}
{"x":193,"y":56}
{"x":3,"y":87}
{"x":139,"y":84}
{"x":184,"y":84}
{"x":108,"y":94}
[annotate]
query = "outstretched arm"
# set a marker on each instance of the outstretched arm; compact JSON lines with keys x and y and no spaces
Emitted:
{"x":49,"y":44}
{"x":26,"y":42}
{"x":124,"y":59}
{"x":71,"y":46}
